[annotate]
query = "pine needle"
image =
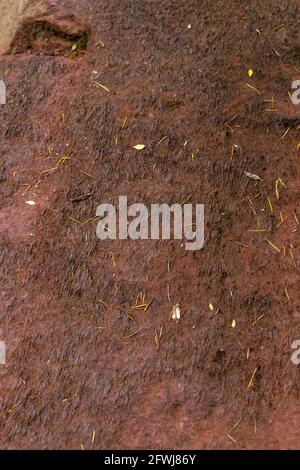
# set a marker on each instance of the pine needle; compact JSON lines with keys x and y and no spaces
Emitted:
{"x":102,"y":86}
{"x":132,"y":334}
{"x":273,"y":246}
{"x":250,"y":384}
{"x":253,"y":88}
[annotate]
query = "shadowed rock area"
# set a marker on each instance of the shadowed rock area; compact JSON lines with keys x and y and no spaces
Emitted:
{"x":41,"y":26}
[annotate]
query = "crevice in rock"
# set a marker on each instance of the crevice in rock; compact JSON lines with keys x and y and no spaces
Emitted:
{"x":44,"y":38}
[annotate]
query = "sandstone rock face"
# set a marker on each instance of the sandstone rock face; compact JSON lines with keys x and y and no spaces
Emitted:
{"x":38,"y":25}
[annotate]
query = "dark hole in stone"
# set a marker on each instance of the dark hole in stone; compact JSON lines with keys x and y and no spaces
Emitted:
{"x":219,"y":356}
{"x":41,"y":37}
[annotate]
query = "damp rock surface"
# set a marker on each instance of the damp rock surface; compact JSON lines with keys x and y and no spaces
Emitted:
{"x":84,"y":369}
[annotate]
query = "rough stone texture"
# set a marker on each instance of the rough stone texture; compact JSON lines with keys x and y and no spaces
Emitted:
{"x":22,"y":18}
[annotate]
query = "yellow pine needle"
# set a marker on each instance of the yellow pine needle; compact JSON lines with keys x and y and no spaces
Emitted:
{"x":237,"y":243}
{"x":259,"y":230}
{"x":231,"y":438}
{"x":138,"y":307}
{"x":255,"y":321}
{"x":103,"y":303}
{"x":282,"y":221}
{"x":287,"y":295}
{"x":148,"y":305}
{"x":102,"y":86}
{"x":161,"y":140}
{"x":157,"y":337}
{"x":78,"y":221}
{"x":168,"y":293}
{"x":132,"y":334}
{"x":235,"y":425}
{"x":185,"y":201}
{"x":48,"y":171}
{"x":87,"y":174}
{"x":286,"y":132}
{"x":272,"y":245}
{"x":278,"y":182}
{"x":270,"y":205}
{"x":106,"y":251}
{"x":250,"y":384}
{"x":252,"y":206}
{"x":253,"y":88}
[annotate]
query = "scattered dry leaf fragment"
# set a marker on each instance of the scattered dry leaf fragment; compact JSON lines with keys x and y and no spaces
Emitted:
{"x":176,"y":314}
{"x":139,"y":147}
{"x":279,"y":183}
{"x":253,"y":176}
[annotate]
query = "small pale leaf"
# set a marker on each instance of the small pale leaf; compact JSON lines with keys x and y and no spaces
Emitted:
{"x":253,"y":176}
{"x":139,"y":147}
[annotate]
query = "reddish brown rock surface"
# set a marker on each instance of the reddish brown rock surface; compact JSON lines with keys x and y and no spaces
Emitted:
{"x":69,"y":371}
